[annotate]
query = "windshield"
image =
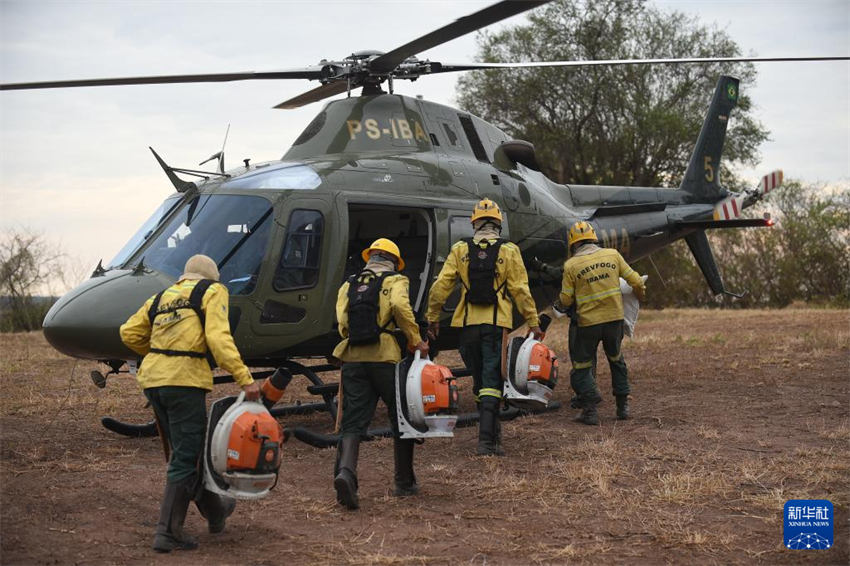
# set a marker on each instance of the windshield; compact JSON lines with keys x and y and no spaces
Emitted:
{"x":232,"y":230}
{"x":143,"y":233}
{"x":286,"y":176}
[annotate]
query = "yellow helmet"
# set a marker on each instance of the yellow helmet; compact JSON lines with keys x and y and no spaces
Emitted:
{"x":486,"y":209}
{"x":581,"y":231}
{"x":384,"y":245}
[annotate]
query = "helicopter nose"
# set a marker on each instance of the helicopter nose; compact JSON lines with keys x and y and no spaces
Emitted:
{"x":84,"y":323}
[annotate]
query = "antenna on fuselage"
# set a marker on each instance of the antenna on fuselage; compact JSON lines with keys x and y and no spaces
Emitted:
{"x":220,"y":154}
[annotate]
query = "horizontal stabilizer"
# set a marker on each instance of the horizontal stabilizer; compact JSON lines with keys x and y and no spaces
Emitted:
{"x":618,"y":209}
{"x":736,"y":223}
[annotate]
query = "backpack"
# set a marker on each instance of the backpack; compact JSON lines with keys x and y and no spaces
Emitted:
{"x":196,"y":298}
{"x":482,"y":272}
{"x":364,"y":292}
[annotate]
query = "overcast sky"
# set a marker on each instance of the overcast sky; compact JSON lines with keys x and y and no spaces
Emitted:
{"x":74,"y":163}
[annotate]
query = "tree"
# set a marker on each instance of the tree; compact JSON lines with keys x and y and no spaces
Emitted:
{"x":28,"y":265}
{"x":617,"y":125}
{"x":804,"y":257}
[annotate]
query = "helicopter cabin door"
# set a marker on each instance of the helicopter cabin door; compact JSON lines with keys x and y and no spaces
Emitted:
{"x":411,"y":228}
{"x":301,"y":283}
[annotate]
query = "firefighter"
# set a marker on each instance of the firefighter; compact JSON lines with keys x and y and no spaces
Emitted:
{"x":592,"y":283}
{"x":176,"y":331}
{"x":557,"y":274}
{"x":369,"y":306}
{"x":493,"y":276}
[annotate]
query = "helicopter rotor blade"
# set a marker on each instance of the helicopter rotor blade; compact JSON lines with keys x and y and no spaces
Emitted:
{"x":452,"y":68}
{"x":319,"y":93}
{"x":305,"y":73}
{"x":467,"y":24}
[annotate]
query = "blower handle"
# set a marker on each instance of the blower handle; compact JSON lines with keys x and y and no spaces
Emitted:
{"x":545,"y":321}
{"x":417,"y":356}
{"x":241,"y":399}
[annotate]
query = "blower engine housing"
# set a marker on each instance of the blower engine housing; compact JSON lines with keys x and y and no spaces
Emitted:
{"x":426,"y":399}
{"x":242,"y":455}
{"x":531,"y":375}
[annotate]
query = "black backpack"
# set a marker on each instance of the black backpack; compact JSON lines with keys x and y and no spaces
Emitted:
{"x":482,"y":272}
{"x":195,"y":303}
{"x":364,"y":292}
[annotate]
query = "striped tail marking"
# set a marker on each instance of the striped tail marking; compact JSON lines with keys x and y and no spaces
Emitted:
{"x":770,"y":181}
{"x":729,"y":208}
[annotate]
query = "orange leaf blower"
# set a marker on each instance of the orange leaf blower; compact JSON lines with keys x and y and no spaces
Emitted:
{"x":532,"y":371}
{"x":242,"y":456}
{"x":426,"y":399}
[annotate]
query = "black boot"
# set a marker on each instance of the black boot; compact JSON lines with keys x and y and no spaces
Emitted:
{"x":405,"y":479}
{"x":487,"y":426}
{"x":623,"y":407}
{"x":345,"y":481}
{"x":589,"y":415}
{"x":169,"y":530}
{"x":498,"y":431}
{"x":215,"y":509}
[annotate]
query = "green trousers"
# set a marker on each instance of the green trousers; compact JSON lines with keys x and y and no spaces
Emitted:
{"x":587,"y":341}
{"x":585,"y":390}
{"x":481,"y":350}
{"x":182,"y":412}
{"x":363,"y":383}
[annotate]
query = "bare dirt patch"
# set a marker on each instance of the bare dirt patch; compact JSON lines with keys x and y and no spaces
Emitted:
{"x":735,"y":412}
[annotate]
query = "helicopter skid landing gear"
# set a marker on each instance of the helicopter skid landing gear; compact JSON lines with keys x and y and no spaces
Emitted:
{"x":328,"y":392}
{"x":319,"y":440}
{"x":317,"y":387}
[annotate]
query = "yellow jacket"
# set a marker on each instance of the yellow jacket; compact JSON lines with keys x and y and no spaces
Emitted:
{"x":510,"y":267}
{"x":181,"y":330}
{"x":592,"y":281}
{"x":394,"y":303}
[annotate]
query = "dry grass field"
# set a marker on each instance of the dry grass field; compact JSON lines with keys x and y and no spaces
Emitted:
{"x":735,"y":412}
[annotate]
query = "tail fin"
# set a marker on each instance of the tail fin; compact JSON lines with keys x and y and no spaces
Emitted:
{"x":701,"y":249}
{"x":702,"y":178}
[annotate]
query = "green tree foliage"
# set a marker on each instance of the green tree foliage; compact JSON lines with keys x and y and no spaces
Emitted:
{"x":28,"y":264}
{"x":637,"y":126}
{"x":804,"y":257}
{"x":615,"y":125}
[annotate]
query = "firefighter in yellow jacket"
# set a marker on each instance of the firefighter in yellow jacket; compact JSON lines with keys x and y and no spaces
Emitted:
{"x":493,"y":277}
{"x":369,"y":306}
{"x":176,"y":331}
{"x":592,"y":282}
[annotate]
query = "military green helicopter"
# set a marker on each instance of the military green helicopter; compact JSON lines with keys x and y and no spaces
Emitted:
{"x":286,"y":234}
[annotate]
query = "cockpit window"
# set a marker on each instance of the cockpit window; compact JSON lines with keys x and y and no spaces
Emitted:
{"x":232,"y":230}
{"x":302,"y":251}
{"x":143,"y":233}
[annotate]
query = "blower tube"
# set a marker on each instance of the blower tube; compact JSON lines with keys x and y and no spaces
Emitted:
{"x":545,"y":321}
{"x":275,"y":386}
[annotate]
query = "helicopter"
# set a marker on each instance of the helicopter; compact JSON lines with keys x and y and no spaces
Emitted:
{"x":287,"y":233}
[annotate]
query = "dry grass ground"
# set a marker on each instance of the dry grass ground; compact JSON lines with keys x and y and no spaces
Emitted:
{"x":735,"y":413}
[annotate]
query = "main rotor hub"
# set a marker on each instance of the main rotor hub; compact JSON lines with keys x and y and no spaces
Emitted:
{"x":357,"y":71}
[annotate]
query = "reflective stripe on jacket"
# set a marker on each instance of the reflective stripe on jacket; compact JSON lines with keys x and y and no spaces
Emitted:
{"x":181,"y":331}
{"x":394,"y":303}
{"x":510,"y":268}
{"x":592,"y":281}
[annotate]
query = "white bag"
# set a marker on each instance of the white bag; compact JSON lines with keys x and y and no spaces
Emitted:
{"x":631,"y":306}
